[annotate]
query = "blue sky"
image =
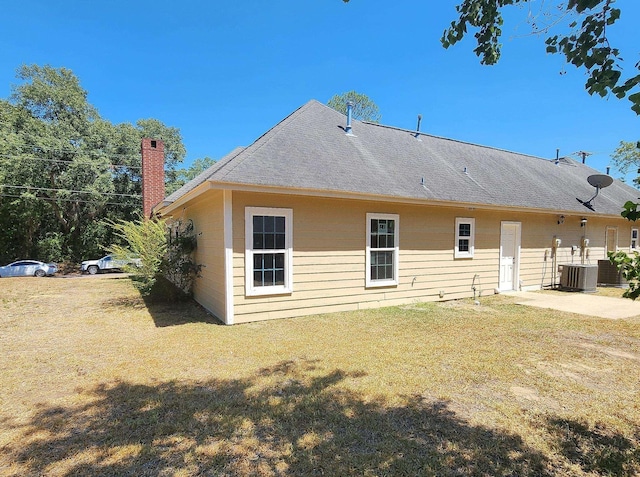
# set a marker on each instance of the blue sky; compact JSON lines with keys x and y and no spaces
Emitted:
{"x":225,"y":72}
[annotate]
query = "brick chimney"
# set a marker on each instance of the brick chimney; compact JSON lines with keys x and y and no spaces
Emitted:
{"x":152,"y":175}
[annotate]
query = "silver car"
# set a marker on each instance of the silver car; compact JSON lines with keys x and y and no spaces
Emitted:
{"x":28,"y":268}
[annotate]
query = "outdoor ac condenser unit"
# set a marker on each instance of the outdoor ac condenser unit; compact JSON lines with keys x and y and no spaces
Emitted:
{"x":608,"y":274}
{"x":582,"y":278}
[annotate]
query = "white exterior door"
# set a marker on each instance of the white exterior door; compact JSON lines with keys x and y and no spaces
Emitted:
{"x":509,"y":255}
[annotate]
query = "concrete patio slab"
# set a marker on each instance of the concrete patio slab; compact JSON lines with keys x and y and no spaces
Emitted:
{"x":581,"y":303}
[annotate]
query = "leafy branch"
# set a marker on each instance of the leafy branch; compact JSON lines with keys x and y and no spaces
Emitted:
{"x":629,"y":266}
{"x":587,"y":46}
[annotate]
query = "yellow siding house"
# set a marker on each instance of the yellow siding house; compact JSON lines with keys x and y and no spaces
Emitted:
{"x":324,"y":214}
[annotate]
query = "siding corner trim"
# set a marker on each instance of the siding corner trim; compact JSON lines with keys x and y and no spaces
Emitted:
{"x":228,"y":257}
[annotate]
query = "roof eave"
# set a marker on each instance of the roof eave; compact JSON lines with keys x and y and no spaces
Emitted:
{"x":336,"y":194}
{"x":168,"y":208}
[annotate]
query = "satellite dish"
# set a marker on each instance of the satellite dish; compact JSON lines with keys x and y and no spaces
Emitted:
{"x":599,"y":181}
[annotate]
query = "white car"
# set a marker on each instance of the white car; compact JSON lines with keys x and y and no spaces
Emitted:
{"x":28,"y":268}
{"x":107,"y":263}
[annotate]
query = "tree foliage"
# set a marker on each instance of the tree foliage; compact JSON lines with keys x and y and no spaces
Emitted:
{"x":63,"y":168}
{"x":364,"y":108}
{"x":586,"y":44}
{"x":627,"y":157}
{"x":183,"y":176}
{"x":629,"y":266}
{"x":631,"y":211}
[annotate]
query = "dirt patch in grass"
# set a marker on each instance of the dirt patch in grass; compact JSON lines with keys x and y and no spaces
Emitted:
{"x":94,"y":381}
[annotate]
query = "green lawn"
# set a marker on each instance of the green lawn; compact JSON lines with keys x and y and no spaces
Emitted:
{"x":94,"y":381}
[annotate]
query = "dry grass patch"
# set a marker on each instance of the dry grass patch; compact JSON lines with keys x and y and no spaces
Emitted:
{"x":614,"y":292}
{"x":94,"y":381}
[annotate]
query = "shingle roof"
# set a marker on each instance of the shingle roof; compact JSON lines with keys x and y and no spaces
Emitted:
{"x":310,"y":150}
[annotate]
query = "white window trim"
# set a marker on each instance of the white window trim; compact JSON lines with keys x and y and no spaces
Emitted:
{"x":456,"y":252}
{"x":250,"y":289}
{"x":631,"y":247}
{"x":396,"y":255}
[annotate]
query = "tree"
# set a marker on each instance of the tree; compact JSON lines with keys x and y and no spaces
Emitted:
{"x":51,"y":183}
{"x":586,"y":45}
{"x":63,"y":168}
{"x":183,"y":176}
{"x":364,"y":108}
{"x":626,"y":157}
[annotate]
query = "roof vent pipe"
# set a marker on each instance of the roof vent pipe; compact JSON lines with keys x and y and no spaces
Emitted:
{"x":557,"y":157}
{"x":608,"y":169}
{"x":349,"y":113}
{"x":418,"y":127}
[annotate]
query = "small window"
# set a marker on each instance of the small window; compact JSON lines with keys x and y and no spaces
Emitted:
{"x":268,"y":251}
{"x":382,"y":250}
{"x":465,"y":233}
{"x":634,"y":239}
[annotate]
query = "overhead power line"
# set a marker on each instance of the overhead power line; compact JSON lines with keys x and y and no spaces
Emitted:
{"x":60,"y":161}
{"x":71,"y":191}
{"x":70,"y":200}
{"x":37,"y":149}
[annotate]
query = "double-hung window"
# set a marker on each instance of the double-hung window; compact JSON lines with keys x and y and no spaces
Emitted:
{"x":634,"y":239}
{"x":268,"y":251}
{"x":382,"y":250}
{"x":465,"y":233}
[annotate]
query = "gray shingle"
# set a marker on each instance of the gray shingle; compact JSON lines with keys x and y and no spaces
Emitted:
{"x":310,"y":150}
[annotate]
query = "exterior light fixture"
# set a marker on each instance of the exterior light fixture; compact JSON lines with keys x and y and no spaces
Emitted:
{"x":583,"y":222}
{"x":561,"y":220}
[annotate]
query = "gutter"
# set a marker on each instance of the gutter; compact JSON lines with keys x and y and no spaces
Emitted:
{"x":207,"y":185}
